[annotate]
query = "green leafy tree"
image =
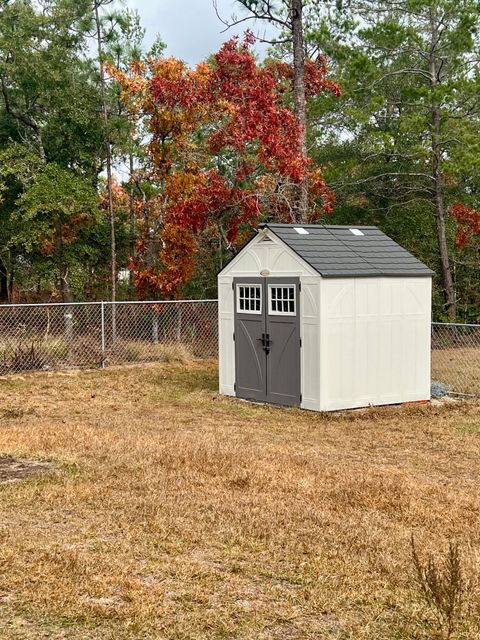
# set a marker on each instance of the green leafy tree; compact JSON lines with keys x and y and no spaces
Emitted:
{"x":53,"y":209}
{"x":49,"y":117}
{"x":51,"y":107}
{"x":403,"y":145}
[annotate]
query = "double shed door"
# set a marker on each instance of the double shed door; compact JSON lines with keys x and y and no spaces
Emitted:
{"x":267,"y":340}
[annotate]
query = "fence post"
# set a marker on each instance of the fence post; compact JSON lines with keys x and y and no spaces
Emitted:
{"x":102,"y":316}
{"x":154,"y":326}
{"x":179,"y":323}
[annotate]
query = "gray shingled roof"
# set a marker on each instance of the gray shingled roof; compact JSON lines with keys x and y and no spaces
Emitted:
{"x":334,"y":251}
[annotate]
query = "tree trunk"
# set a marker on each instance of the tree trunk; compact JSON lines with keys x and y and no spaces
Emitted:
{"x":3,"y":284}
{"x":299,"y":100}
{"x":437,"y":175}
{"x":63,"y":281}
{"x":11,"y":281}
{"x":131,"y":207}
{"x":108,"y":151}
{"x":62,"y":265}
{"x":446,"y":271}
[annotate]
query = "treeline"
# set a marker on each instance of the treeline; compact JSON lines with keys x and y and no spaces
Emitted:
{"x":116,"y":163}
{"x":61,"y":126}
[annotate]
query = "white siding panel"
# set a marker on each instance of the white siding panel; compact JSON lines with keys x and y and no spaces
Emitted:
{"x":310,"y":335}
{"x":273,"y":255}
{"x":366,"y":337}
{"x":375,"y":345}
{"x":249,"y":263}
{"x":390,"y":373}
{"x":418,"y":294}
{"x":284,"y":262}
{"x":337,"y":330}
{"x":226,"y":345}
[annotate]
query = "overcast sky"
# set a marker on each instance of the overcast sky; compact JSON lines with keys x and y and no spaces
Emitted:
{"x":190,"y":28}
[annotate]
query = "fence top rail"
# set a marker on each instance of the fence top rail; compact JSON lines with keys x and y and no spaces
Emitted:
{"x":102,"y":302}
{"x":454,"y":324}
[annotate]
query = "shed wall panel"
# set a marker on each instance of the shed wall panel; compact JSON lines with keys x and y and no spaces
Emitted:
{"x":273,"y":255}
{"x":310,"y":335}
{"x":226,"y":345}
{"x":375,"y":341}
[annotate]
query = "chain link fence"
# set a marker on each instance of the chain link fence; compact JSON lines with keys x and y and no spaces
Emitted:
{"x":36,"y":337}
{"x":456,"y":357}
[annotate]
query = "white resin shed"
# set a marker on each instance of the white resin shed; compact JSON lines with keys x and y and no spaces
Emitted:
{"x":325,"y":318}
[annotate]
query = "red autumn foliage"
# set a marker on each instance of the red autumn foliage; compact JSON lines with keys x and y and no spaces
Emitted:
{"x":316,"y":79}
{"x":224,"y":150}
{"x":468,"y":219}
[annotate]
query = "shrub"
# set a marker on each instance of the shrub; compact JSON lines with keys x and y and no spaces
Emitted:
{"x":442,"y":586}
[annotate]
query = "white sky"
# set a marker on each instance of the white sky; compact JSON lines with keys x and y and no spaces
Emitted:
{"x":190,"y":28}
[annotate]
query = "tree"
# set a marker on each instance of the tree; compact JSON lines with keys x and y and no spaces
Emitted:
{"x":52,"y":111}
{"x":410,"y":115}
{"x":108,"y":150}
{"x":49,"y":105}
{"x":53,"y":208}
{"x":124,"y":36}
{"x":45,"y":84}
{"x":224,"y":150}
{"x":287,"y":15}
{"x":468,"y":220}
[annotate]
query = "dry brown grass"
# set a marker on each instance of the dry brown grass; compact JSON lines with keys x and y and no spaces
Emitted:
{"x":458,"y":367}
{"x":126,"y":351}
{"x":180,"y":514}
{"x":51,"y":353}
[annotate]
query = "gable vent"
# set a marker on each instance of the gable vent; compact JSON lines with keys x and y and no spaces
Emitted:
{"x":301,"y":231}
{"x":356,"y":232}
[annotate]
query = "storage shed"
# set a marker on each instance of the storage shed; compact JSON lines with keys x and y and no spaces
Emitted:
{"x":325,"y":318}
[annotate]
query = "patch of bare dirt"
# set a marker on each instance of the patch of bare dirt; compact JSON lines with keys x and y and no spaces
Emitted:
{"x":15,"y":469}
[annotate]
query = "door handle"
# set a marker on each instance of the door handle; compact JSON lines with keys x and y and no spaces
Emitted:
{"x":262,"y":340}
{"x":266,"y":342}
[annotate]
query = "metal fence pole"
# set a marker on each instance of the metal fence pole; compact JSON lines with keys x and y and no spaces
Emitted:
{"x":102,"y":320}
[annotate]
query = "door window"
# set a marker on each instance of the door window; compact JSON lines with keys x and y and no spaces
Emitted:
{"x":282,"y":300}
{"x":249,"y":298}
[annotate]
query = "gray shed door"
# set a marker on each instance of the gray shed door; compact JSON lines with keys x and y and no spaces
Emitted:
{"x":267,"y":340}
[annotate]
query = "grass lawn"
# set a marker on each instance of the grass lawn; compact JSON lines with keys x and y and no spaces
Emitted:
{"x":174,"y":513}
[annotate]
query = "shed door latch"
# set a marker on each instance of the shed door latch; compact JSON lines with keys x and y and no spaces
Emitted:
{"x":266,"y":342}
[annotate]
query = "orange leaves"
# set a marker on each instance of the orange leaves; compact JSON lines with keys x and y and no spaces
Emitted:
{"x":119,"y":197}
{"x":316,"y":76}
{"x":178,"y":259}
{"x":180,"y":185}
{"x":468,"y":219}
{"x":174,"y":84}
{"x":223,"y":151}
{"x":319,"y":195}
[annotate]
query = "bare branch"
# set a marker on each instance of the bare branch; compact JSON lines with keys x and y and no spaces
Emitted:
{"x":393,"y":174}
{"x":267,"y":14}
{"x":420,"y":72}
